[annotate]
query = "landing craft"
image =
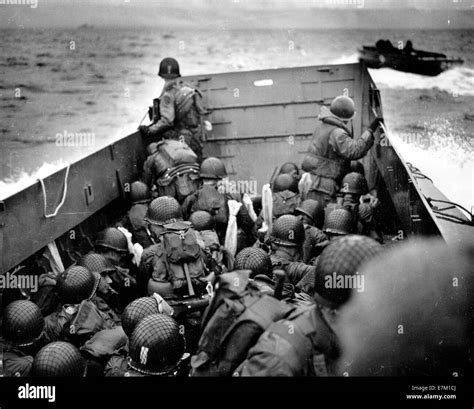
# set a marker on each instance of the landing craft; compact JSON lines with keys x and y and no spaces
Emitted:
{"x":407,"y":59}
{"x":269,"y":122}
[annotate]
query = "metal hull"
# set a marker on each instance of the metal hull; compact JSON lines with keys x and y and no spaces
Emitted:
{"x":430,"y":66}
{"x":256,"y":127}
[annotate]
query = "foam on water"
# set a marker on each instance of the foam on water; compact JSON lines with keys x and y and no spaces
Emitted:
{"x":445,"y":155}
{"x":24,"y":179}
{"x":458,"y":80}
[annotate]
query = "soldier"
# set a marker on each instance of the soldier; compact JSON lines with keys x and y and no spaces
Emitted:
{"x":113,"y":245}
{"x":106,"y":298}
{"x":289,"y":168}
{"x":78,"y":318}
{"x":157,"y":347}
{"x":312,"y":214}
{"x":213,"y":198}
{"x":59,"y":359}
{"x":134,"y":221}
{"x":180,"y":110}
{"x":338,"y":222}
{"x":134,"y":312}
{"x":22,"y":328}
{"x":255,"y":260}
{"x":333,"y":147}
{"x":306,"y":343}
{"x":415,"y":316}
{"x":354,"y":187}
{"x":218,"y":257}
{"x":287,"y":238}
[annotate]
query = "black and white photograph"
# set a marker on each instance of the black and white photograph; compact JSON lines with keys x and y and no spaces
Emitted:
{"x":236,"y":204}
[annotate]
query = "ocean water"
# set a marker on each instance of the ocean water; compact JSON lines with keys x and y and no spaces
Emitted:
{"x":97,"y":83}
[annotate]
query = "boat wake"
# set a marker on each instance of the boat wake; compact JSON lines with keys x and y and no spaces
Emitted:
{"x":445,"y":155}
{"x":459,"y":80}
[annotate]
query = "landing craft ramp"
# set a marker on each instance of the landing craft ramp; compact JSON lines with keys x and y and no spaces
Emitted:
{"x":260,"y":119}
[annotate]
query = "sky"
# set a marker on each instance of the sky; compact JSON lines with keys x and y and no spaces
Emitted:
{"x":235,"y":14}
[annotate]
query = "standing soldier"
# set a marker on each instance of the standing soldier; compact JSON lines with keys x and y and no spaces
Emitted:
{"x":333,"y":147}
{"x":180,"y":110}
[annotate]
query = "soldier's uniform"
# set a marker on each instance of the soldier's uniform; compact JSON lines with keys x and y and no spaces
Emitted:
{"x":332,"y":148}
{"x":15,"y":362}
{"x":302,"y":346}
{"x":180,"y":115}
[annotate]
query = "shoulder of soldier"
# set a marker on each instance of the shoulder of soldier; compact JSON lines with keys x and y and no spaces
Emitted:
{"x":151,"y":251}
{"x":17,"y":365}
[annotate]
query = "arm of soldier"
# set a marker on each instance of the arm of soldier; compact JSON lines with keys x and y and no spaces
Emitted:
{"x":296,"y":271}
{"x":167,"y":115}
{"x":266,"y":358}
{"x":148,"y":171}
{"x":187,"y":205}
{"x":349,"y":148}
{"x":245,"y":222}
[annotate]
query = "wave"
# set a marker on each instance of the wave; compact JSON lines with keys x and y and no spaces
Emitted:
{"x":445,"y":154}
{"x":459,"y":80}
{"x":24,"y":179}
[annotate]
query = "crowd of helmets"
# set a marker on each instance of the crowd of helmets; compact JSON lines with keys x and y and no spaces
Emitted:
{"x":119,"y":311}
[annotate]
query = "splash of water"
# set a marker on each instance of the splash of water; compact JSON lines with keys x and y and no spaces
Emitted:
{"x":443,"y":152}
{"x":23,"y":179}
{"x":459,"y":80}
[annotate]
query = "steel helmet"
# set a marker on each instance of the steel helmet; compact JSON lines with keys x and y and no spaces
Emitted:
{"x":354,"y":183}
{"x":22,"y":323}
{"x":357,"y":166}
{"x":289,"y":168}
{"x":343,"y":107}
{"x":338,"y":221}
{"x":284,"y":182}
{"x":112,"y":238}
{"x":95,"y":263}
{"x":212,"y":168}
{"x":340,"y":259}
{"x":136,"y":311}
{"x":202,"y":220}
{"x":59,"y":359}
{"x":156,"y":345}
{"x":288,"y":230}
{"x":423,"y":288}
{"x":139,"y":192}
{"x":169,"y":68}
{"x":254,"y":259}
{"x":76,"y":284}
{"x":163,"y":210}
{"x":314,"y":210}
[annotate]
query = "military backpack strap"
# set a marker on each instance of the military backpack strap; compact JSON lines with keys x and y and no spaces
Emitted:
{"x":303,"y":338}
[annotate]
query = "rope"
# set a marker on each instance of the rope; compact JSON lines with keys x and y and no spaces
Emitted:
{"x":440,"y":211}
{"x":417,"y":172}
{"x":144,"y":116}
{"x":47,"y":216}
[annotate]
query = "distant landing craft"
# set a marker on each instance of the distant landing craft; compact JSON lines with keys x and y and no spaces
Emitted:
{"x":384,"y":54}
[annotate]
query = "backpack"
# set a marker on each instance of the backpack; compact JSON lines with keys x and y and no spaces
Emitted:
{"x":171,"y":154}
{"x":307,"y":341}
{"x":213,"y":202}
{"x":284,"y":202}
{"x":179,"y":182}
{"x":238,"y":314}
{"x":76,"y":323}
{"x":179,"y":260}
{"x":219,"y":259}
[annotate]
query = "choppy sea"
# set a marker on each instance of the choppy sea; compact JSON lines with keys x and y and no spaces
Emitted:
{"x":99,"y":82}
